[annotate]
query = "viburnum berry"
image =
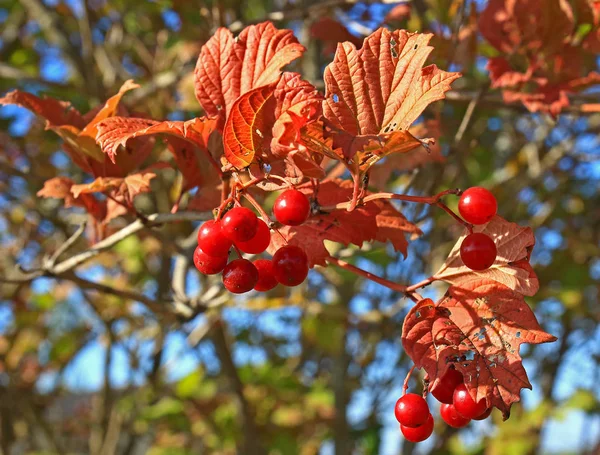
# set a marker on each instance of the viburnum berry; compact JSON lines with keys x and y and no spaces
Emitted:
{"x":239,"y":224}
{"x":478,"y":251}
{"x":212,"y":240}
{"x":266,"y":275}
{"x":240,"y":276}
{"x":485,"y":415}
{"x":290,"y":265}
{"x":465,"y":405}
{"x":420,"y":433}
{"x":477,"y":205}
{"x":207,"y":264}
{"x":444,"y":390}
{"x":259,"y":242}
{"x":292,"y":208}
{"x":451,"y":416}
{"x":411,"y":410}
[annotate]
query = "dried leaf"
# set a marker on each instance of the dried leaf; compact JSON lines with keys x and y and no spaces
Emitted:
{"x":514,"y":244}
{"x":228,"y":68}
{"x":116,"y":131}
{"x":475,"y":329}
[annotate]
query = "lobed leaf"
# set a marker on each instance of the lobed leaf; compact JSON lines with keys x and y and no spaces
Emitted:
{"x":228,"y":68}
{"x":478,"y":328}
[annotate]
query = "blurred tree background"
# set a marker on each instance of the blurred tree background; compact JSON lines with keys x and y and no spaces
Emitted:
{"x":103,"y":360}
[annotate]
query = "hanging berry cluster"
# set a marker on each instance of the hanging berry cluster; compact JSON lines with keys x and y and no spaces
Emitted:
{"x":247,"y":233}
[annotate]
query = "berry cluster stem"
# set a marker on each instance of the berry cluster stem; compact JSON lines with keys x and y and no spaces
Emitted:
{"x":406,"y":379}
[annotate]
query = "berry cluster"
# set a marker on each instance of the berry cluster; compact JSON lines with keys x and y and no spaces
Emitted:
{"x":477,"y":206}
{"x":457,"y":410}
{"x":242,"y":229}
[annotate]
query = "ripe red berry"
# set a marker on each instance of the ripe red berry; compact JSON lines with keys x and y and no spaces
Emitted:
{"x":451,"y":416}
{"x":420,"y":433}
{"x":240,"y":276}
{"x":465,"y":405}
{"x":259,"y":242}
{"x":266,"y":276}
{"x":485,"y":415}
{"x":292,"y":208}
{"x":239,"y":224}
{"x":208,"y":265}
{"x":477,"y":205}
{"x":212,"y":240}
{"x":290,"y":265}
{"x":411,"y":410}
{"x":444,"y":391}
{"x":478,"y":251}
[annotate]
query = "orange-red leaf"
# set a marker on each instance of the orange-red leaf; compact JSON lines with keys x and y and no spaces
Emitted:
{"x":116,"y":131}
{"x":382,"y":87}
{"x":228,"y":68}
{"x":128,"y":187}
{"x":514,"y":244}
{"x":479,"y":329}
{"x":56,"y":112}
{"x":247,"y":130}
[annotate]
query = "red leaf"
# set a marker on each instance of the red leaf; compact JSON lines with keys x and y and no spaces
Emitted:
{"x":56,"y":113}
{"x":265,"y":124}
{"x":479,"y":329}
{"x":382,"y":87}
{"x":514,"y":244}
{"x":329,"y":30}
{"x":228,"y":68}
{"x":116,"y":131}
{"x":248,"y":123}
{"x":376,"y":220}
{"x":60,"y":188}
{"x":127,"y":187}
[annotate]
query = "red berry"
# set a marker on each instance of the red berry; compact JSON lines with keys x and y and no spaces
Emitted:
{"x":259,"y":242}
{"x":451,"y":416}
{"x":478,"y":251}
{"x":420,"y":433}
{"x":465,"y":405}
{"x":291,"y":208}
{"x":445,"y":389}
{"x":208,"y":265}
{"x":477,"y":205}
{"x":411,"y":410}
{"x":239,"y":224}
{"x":240,"y":276}
{"x":485,"y":415}
{"x":290,"y":265}
{"x":266,"y":276}
{"x":212,"y":240}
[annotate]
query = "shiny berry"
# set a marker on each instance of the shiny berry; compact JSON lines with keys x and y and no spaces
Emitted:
{"x":420,"y":433}
{"x":444,"y":390}
{"x":451,"y":416}
{"x":465,"y":405}
{"x":485,"y":415}
{"x":478,"y":251}
{"x":259,"y":242}
{"x":212,"y":240}
{"x":291,"y":208}
{"x":411,"y":410}
{"x":266,"y":276}
{"x":240,"y":276}
{"x":208,"y":265}
{"x":477,"y":205}
{"x":239,"y":224}
{"x":290,"y":265}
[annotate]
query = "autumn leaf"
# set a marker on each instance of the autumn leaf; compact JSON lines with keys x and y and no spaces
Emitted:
{"x":376,"y":220}
{"x":56,"y":113}
{"x":479,"y":329}
{"x":115,"y":132}
{"x":514,"y":244}
{"x":377,"y":92}
{"x":266,"y":122}
{"x":60,"y":188}
{"x":127,"y":187}
{"x":228,"y":68}
{"x":247,"y":125}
